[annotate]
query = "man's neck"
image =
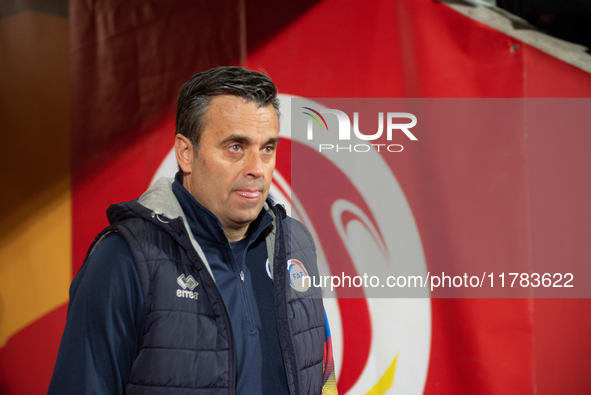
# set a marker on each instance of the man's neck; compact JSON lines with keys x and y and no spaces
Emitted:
{"x":235,"y":234}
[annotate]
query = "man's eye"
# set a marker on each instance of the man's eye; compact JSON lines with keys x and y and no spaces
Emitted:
{"x":268,"y":150}
{"x":235,"y":148}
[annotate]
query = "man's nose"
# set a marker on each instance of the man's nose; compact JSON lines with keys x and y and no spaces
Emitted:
{"x":254,"y":166}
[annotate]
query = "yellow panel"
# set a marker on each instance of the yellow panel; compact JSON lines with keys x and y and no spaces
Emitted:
{"x":35,"y":267}
{"x":35,"y":193}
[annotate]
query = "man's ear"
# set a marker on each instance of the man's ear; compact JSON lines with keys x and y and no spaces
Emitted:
{"x":183,"y":149}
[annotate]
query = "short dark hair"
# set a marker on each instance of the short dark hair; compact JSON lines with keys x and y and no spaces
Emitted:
{"x":197,"y":93}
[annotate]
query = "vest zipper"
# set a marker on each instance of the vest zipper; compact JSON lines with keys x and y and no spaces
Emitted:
{"x":247,"y":303}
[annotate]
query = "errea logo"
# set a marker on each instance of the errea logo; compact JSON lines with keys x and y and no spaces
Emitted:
{"x":186,"y":282}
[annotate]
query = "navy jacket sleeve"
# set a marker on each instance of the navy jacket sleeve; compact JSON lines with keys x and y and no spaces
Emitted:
{"x":105,"y":321}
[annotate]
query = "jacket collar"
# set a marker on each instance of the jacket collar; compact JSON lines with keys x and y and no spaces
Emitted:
{"x":205,"y":226}
{"x":161,"y":200}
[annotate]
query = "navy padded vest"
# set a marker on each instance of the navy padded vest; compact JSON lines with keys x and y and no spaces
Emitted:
{"x":187,"y":346}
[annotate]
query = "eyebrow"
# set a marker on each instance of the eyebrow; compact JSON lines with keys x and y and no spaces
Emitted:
{"x":243,"y":139}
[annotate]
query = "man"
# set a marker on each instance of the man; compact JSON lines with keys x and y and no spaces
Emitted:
{"x":189,"y":290}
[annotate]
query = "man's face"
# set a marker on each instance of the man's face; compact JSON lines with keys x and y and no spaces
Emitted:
{"x":231,"y":173}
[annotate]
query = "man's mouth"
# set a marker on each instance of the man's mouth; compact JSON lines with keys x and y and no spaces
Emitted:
{"x":248,"y":194}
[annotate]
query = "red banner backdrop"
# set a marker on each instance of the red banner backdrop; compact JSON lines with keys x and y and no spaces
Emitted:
{"x":524,"y":202}
{"x":519,"y":199}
